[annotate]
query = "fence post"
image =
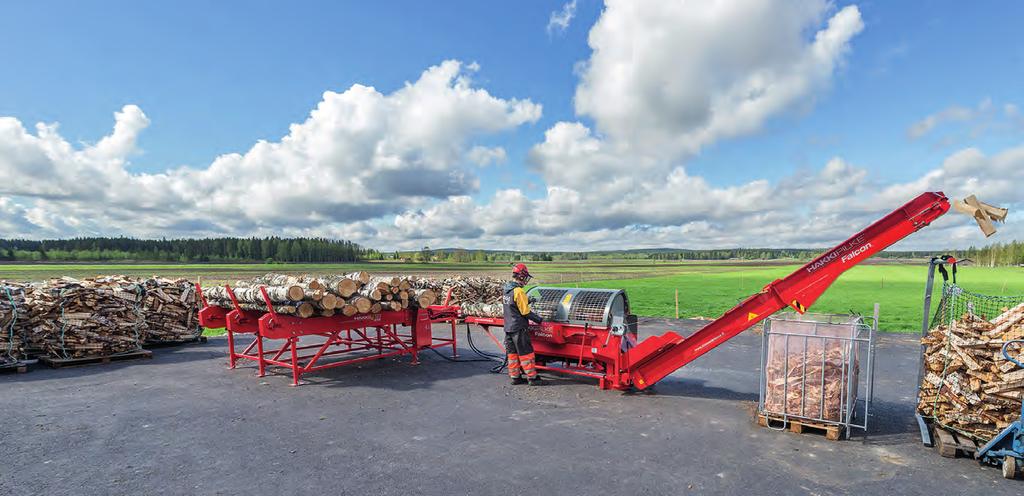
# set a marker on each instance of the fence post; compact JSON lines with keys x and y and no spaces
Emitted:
{"x":677,"y":303}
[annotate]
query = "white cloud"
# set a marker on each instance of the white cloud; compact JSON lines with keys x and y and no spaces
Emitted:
{"x":359,"y":155}
{"x":484,"y":156}
{"x":560,"y":19}
{"x":953,"y":113}
{"x":677,"y":76}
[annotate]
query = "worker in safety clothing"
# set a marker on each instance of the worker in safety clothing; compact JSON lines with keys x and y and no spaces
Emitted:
{"x":521,"y":366}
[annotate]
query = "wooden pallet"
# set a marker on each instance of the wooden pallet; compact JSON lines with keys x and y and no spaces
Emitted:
{"x":74,"y":362}
{"x":168,"y":344}
{"x":19,"y":367}
{"x":950,"y":443}
{"x":832,"y":432}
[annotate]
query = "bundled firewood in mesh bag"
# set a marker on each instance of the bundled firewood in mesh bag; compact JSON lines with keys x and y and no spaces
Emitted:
{"x":968,"y":385}
{"x":70,"y":318}
{"x":170,"y":309}
{"x":323,"y":295}
{"x":809,"y":378}
{"x":13,"y":317}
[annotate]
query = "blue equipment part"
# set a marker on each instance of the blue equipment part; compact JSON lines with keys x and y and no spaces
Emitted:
{"x":1008,"y":446}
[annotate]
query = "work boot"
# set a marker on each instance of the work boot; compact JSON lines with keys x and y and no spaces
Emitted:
{"x":536,"y":381}
{"x":518,"y":380}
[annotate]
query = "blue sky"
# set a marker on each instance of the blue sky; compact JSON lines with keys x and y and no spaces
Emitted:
{"x":216,"y":77}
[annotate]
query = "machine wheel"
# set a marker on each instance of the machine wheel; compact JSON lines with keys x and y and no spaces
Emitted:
{"x":1009,"y":467}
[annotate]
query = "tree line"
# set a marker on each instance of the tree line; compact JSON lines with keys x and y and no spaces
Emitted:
{"x":1011,"y":253}
{"x":269,"y":249}
{"x":316,"y":250}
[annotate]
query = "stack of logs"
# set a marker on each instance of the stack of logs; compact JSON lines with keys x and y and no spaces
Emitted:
{"x":170,"y":310}
{"x":968,"y":385}
{"x":477,"y":296}
{"x":13,"y":317}
{"x":68,"y":318}
{"x":309,"y":296}
{"x":101,"y":316}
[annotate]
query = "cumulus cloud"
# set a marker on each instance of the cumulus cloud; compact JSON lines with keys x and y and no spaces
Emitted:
{"x":677,"y":76}
{"x":359,"y":155}
{"x":560,"y":19}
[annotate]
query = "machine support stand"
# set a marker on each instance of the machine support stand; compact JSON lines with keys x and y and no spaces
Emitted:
{"x":231,"y":350}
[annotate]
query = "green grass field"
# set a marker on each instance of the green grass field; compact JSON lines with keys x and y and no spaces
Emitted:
{"x":899,"y":289}
{"x":705,"y":289}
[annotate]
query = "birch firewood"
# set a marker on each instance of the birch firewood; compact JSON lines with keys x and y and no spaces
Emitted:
{"x":968,"y":384}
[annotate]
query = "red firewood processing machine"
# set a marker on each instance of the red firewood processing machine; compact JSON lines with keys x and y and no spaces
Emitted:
{"x":586,"y":332}
{"x":591,"y":332}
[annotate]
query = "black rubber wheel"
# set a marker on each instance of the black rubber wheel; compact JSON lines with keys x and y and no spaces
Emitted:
{"x":1009,"y":467}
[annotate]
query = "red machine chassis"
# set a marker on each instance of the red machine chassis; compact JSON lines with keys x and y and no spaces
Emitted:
{"x":284,"y":341}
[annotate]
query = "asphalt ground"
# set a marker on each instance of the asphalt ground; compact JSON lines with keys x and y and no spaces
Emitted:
{"x":182,"y":423}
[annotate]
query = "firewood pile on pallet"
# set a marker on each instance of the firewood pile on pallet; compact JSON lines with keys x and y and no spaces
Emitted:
{"x":812,"y":368}
{"x":69,"y":318}
{"x":355,"y":293}
{"x":968,"y":386}
{"x":169,"y":308}
{"x":13,"y":316}
{"x":808,"y":388}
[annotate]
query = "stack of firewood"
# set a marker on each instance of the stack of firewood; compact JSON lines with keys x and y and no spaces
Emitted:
{"x":968,"y":385}
{"x":309,"y":296}
{"x":169,"y":308}
{"x":13,"y":317}
{"x":809,"y":380}
{"x":69,"y":318}
{"x":480,"y":296}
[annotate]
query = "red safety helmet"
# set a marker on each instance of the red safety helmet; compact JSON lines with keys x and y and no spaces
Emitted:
{"x":520,"y":272}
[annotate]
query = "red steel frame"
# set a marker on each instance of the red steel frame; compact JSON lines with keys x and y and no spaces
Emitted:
{"x":595,"y":352}
{"x":341,"y":340}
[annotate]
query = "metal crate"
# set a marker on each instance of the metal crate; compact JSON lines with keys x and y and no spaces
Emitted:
{"x":818,"y":368}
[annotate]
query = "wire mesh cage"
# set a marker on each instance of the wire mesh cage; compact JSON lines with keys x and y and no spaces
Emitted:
{"x":817,"y":367}
{"x":959,"y":304}
{"x":966,"y":385}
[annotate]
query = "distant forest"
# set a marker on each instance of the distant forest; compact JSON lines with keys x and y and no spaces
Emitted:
{"x":314,"y":250}
{"x":271,"y":249}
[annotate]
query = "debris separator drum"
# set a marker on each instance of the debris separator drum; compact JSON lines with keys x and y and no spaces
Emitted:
{"x":586,"y":332}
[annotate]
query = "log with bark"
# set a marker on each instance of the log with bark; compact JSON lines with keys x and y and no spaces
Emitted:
{"x":353,"y":293}
{"x":968,"y":385}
